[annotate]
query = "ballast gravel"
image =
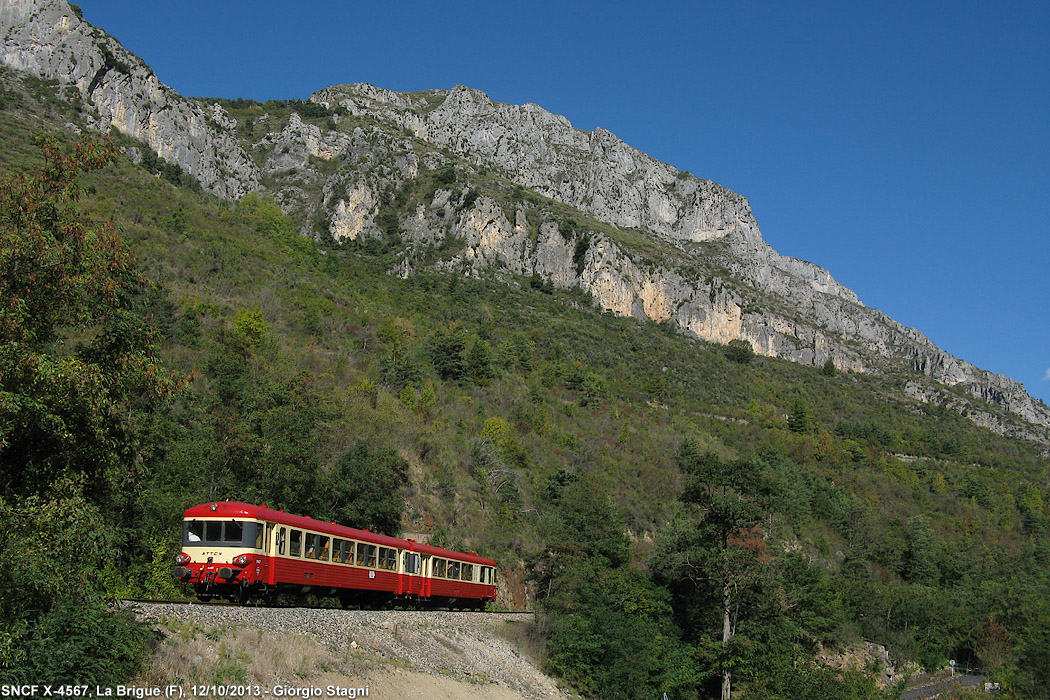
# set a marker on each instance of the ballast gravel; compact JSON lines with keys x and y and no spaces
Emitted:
{"x":463,"y":645}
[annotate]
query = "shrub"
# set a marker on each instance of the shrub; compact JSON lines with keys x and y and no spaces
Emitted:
{"x":740,"y":351}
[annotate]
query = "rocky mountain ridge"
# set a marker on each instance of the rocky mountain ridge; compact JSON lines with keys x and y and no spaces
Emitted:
{"x":646,"y":240}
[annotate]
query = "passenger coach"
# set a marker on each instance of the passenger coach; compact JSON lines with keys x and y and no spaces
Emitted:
{"x":240,"y":551}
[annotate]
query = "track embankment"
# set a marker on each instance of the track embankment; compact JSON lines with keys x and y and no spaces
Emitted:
{"x":394,"y":653}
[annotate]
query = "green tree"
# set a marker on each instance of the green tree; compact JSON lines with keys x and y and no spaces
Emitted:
{"x":79,"y":385}
{"x":78,"y":366}
{"x":364,"y":490}
{"x":920,"y":557}
{"x":446,"y":348}
{"x":799,"y":420}
{"x":58,"y":627}
{"x":249,"y":327}
{"x":612,"y":633}
{"x":714,"y":554}
{"x":479,"y":362}
{"x":740,"y":351}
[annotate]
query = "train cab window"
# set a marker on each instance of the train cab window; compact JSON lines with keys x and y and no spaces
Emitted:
{"x":453,"y":570}
{"x":219,"y":532}
{"x":387,"y":558}
{"x":439,"y":568}
{"x":233,"y":531}
{"x":193,"y":532}
{"x":467,"y":572}
{"x":295,"y":543}
{"x":322,"y":548}
{"x":411,"y":563}
{"x":366,"y":554}
{"x":282,"y":540}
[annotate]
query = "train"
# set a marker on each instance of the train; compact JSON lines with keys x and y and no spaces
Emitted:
{"x":242,"y":552}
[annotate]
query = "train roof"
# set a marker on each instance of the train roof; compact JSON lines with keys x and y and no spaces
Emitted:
{"x":234,"y":509}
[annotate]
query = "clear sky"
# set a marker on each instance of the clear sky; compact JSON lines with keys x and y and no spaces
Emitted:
{"x":904,"y":146}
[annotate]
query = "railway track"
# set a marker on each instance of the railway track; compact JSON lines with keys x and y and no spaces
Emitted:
{"x":228,"y":604}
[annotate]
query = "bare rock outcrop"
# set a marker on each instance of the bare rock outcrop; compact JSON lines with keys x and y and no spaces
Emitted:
{"x":47,"y":38}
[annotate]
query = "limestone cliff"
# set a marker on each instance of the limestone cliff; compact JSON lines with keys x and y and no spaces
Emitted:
{"x":49,"y":39}
{"x":521,"y":192}
{"x":785,"y":307}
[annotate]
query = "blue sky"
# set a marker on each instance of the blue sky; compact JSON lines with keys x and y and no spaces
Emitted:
{"x":904,"y":146}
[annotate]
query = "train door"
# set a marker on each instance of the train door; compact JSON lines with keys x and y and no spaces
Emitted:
{"x":413,"y":578}
{"x":267,"y":562}
{"x":278,"y":548}
{"x":424,"y":576}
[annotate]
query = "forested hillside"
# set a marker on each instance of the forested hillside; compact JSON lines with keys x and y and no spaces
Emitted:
{"x":682,"y":514}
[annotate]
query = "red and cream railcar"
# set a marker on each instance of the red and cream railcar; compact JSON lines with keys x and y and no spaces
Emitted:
{"x":240,"y":551}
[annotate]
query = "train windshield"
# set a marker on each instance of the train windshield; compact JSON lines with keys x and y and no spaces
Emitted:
{"x":221,"y":533}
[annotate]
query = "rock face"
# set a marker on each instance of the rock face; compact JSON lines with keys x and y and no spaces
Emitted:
{"x":783,"y":306}
{"x":662,"y":244}
{"x":48,"y":39}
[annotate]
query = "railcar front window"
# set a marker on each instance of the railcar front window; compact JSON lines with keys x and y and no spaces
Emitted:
{"x":213,"y":531}
{"x":233,"y":531}
{"x":193,"y":532}
{"x":222,"y":533}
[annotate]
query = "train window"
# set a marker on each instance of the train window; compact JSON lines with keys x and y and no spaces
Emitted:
{"x":387,"y":558}
{"x":282,"y":540}
{"x":193,"y":532}
{"x":340,"y":551}
{"x":233,"y":531}
{"x":266,"y":540}
{"x":213,"y":531}
{"x":453,"y":569}
{"x":322,"y":548}
{"x":467,"y":573}
{"x":311,"y":545}
{"x":296,"y":543}
{"x":439,"y":568}
{"x":411,"y":563}
{"x":366,"y":554}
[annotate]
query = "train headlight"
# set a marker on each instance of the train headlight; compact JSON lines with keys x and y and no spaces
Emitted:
{"x":242,"y":560}
{"x":182,"y":559}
